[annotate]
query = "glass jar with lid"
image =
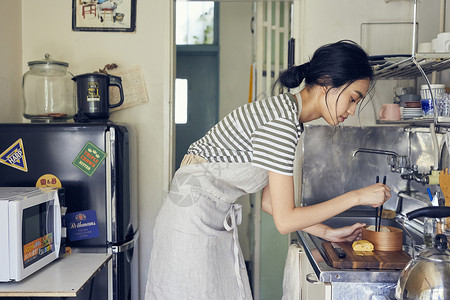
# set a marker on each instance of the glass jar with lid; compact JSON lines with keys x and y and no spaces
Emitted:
{"x":48,"y":91}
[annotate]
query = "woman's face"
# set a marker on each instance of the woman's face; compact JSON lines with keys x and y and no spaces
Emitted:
{"x":342,"y":101}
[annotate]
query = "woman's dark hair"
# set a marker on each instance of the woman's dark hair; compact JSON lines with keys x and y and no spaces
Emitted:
{"x":332,"y":65}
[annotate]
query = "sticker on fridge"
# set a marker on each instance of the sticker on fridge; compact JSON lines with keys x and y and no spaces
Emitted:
{"x":82,"y":225}
{"x":48,"y":180}
{"x":14,"y":156}
{"x":89,"y":158}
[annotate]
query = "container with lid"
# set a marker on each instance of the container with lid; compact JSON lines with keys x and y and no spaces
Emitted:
{"x":426,"y":101}
{"x":48,"y":91}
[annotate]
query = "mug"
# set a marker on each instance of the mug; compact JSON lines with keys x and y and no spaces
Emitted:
{"x":93,"y":95}
{"x":434,"y":45}
{"x":425,"y":47}
{"x":390,"y":112}
{"x":443,"y":42}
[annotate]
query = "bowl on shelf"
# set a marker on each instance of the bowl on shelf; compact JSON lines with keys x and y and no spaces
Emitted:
{"x":413,"y":104}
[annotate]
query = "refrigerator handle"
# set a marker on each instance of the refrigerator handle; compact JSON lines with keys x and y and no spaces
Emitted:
{"x":125,"y":246}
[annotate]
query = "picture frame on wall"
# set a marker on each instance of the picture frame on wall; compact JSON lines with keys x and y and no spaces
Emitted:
{"x":104,"y":15}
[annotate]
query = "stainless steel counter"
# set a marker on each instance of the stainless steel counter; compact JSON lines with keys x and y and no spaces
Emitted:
{"x":354,"y":281}
{"x":326,"y":273}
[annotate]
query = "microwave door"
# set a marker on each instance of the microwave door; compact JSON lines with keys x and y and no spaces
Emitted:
{"x":33,"y":246}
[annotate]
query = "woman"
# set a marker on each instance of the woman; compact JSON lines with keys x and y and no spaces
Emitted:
{"x":196,"y":254}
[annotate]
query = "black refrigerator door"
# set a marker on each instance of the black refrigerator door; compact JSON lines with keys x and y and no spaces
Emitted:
{"x":51,"y":149}
{"x":123,"y":200}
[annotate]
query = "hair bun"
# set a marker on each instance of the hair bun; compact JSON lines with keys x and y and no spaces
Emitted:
{"x":305,"y":68}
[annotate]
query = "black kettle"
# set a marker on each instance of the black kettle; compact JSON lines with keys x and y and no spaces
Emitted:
{"x":93,"y":96}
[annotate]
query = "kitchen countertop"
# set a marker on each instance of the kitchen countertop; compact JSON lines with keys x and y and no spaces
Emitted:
{"x":326,"y":273}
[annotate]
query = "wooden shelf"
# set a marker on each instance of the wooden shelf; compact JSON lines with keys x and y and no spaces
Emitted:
{"x":64,"y":277}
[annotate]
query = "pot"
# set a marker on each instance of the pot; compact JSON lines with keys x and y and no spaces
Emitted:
{"x":391,"y":240}
{"x":427,"y":275}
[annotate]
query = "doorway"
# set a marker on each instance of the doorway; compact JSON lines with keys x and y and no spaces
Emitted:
{"x":198,"y":64}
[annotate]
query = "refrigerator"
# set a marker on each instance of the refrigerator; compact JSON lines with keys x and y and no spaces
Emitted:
{"x":95,"y":164}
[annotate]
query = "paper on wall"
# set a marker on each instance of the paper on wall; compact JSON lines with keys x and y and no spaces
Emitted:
{"x":134,"y":90}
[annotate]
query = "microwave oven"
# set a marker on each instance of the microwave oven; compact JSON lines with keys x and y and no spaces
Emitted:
{"x":30,"y":230}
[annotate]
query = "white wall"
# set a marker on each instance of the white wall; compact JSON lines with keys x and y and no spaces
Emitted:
{"x":235,"y":54}
{"x":46,"y":28}
{"x":10,"y":61}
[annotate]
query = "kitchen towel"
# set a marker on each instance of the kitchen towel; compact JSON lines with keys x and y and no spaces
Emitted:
{"x":291,"y":278}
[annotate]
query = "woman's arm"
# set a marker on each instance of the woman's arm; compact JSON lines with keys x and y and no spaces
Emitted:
{"x":289,"y":218}
{"x":265,"y":200}
{"x":343,"y":234}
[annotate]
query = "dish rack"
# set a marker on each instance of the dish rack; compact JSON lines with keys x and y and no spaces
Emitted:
{"x":395,"y":67}
{"x":410,"y":67}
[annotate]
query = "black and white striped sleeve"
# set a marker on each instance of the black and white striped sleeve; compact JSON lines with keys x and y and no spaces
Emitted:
{"x":274,"y":146}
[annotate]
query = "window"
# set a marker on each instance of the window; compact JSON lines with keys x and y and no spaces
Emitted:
{"x":181,"y":101}
{"x":194,"y":23}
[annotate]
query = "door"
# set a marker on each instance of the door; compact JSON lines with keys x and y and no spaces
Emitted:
{"x":201,"y":70}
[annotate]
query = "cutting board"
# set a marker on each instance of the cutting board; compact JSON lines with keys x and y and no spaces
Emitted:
{"x":394,"y":260}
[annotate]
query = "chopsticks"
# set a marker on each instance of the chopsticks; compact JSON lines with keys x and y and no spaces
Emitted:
{"x":379,"y":211}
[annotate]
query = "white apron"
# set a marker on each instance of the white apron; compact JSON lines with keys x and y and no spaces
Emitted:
{"x":196,"y":253}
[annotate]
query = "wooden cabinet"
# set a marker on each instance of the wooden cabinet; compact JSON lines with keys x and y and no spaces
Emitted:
{"x":310,"y":286}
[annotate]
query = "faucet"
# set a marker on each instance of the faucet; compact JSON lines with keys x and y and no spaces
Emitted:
{"x":399,"y":164}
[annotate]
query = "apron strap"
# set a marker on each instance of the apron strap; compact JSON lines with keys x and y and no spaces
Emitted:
{"x":234,"y":216}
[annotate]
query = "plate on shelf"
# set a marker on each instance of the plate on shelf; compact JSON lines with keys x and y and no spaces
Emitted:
{"x":410,"y":113}
{"x":410,"y":108}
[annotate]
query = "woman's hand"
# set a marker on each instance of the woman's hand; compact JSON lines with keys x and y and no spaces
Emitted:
{"x":345,"y":234}
{"x":374,"y":195}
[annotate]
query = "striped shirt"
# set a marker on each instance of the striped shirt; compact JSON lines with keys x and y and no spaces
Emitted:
{"x":265,"y":133}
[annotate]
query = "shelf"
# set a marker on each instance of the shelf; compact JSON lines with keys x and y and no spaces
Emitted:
{"x":415,"y":121}
{"x":422,"y":121}
{"x":64,"y":277}
{"x":400,"y":67}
